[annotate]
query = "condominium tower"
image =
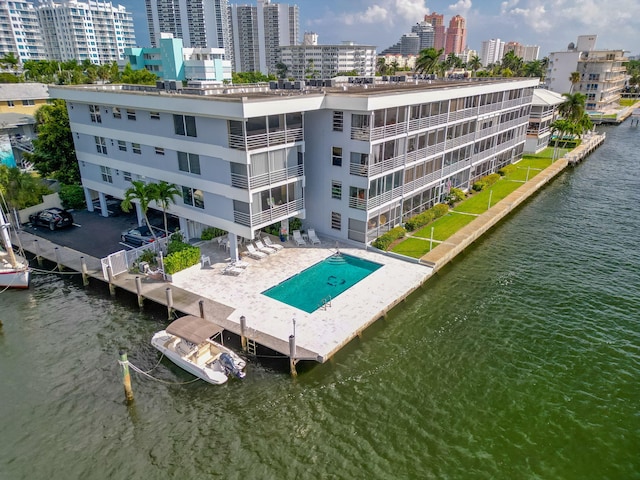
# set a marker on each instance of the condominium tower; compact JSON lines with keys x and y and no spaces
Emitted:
{"x":258,"y":31}
{"x":20,"y":33}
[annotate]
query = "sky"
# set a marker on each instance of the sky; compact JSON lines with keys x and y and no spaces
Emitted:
{"x":551,"y":24}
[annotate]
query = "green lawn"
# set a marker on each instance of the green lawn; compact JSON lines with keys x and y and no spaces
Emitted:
{"x":627,"y":102}
{"x":445,"y":226}
{"x":479,"y":203}
{"x":413,"y":247}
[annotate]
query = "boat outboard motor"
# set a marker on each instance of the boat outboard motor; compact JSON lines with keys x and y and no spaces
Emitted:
{"x":230,"y":366}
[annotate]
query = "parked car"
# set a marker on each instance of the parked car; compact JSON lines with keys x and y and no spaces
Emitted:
{"x":139,"y":236}
{"x":53,"y":218}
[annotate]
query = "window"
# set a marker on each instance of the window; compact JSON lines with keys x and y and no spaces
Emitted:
{"x":159,"y":151}
{"x":336,"y":221}
{"x":122,"y":145}
{"x":101,"y":145}
{"x":189,"y":162}
{"x":94,"y":112}
{"x":357,"y":198}
{"x":28,"y":102}
{"x":193,"y":197}
{"x":116,"y":113}
{"x":131,"y":114}
{"x":106,"y":174}
{"x":336,"y":156}
{"x":338,"y":121}
{"x":154,"y":115}
{"x":126,"y":176}
{"x":336,"y":190}
{"x":10,"y":103}
{"x":136,"y":148}
{"x":185,"y":125}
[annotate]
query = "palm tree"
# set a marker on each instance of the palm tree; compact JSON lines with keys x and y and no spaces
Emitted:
{"x":163,"y":194}
{"x":9,"y":61}
{"x":381,"y":65}
{"x":574,"y":78}
{"x":573,"y":107}
{"x":282,"y":69}
{"x":427,"y":61}
{"x":474,"y":64}
{"x":143,"y":194}
{"x":512,"y":62}
{"x":395,"y":66}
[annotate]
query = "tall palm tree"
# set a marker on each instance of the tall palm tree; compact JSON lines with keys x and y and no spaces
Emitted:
{"x":163,"y":194}
{"x":395,"y":66}
{"x":143,"y":194}
{"x":381,"y":65}
{"x":574,"y":78}
{"x":573,"y":107}
{"x":474,"y":64}
{"x":427,"y":61}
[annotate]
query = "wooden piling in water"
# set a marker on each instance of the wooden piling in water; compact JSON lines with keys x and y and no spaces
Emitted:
{"x":243,"y":336}
{"x":139,"y":291}
{"x":112,"y":287}
{"x":85,"y":272}
{"x":292,"y":355}
{"x":126,"y":377}
{"x":38,"y":256}
{"x":169,"y":295}
{"x":201,"y":306}
{"x":56,"y":251}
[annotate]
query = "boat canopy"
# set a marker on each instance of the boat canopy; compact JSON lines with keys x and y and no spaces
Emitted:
{"x":193,"y":329}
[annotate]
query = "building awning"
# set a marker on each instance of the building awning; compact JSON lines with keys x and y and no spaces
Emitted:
{"x":193,"y":329}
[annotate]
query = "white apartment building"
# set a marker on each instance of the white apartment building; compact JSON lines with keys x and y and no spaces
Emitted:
{"x":544,"y":111}
{"x":602,"y":74}
{"x":20,"y":32}
{"x":492,"y":51}
{"x":351,"y":161}
{"x":258,"y":31}
{"x":86,"y":30}
{"x":326,"y":61}
{"x":199,"y":23}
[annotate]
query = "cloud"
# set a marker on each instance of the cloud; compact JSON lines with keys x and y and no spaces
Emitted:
{"x":386,"y":13}
{"x":461,"y":7}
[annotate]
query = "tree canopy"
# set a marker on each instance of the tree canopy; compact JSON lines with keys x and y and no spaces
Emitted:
{"x":54,"y":154}
{"x":21,"y":189}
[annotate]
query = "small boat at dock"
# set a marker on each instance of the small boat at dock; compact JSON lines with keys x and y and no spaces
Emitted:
{"x":191,"y":343}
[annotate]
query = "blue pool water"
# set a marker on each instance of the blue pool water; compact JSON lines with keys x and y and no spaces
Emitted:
{"x":325,"y":280}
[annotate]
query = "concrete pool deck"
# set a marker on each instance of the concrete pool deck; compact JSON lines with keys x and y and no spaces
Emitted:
{"x":320,"y":334}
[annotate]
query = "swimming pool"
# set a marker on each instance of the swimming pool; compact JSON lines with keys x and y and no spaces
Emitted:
{"x":325,"y":280}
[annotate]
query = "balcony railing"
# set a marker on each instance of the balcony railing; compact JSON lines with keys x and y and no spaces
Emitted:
{"x":269,"y":216}
{"x":252,"y":142}
{"x":359,"y":203}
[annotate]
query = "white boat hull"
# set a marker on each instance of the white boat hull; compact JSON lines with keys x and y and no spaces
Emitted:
{"x":212,"y":371}
{"x":14,"y":278}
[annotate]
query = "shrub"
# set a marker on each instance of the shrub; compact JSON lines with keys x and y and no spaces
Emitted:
{"x":427,"y":216}
{"x":72,"y":196}
{"x":440,"y":210}
{"x":386,"y":239}
{"x":180,"y":256}
{"x":211,"y":232}
{"x":486,"y":181}
{"x":455,"y":195}
{"x":507,"y":170}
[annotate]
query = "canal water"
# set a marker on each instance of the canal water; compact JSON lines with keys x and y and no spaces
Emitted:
{"x":519,"y":360}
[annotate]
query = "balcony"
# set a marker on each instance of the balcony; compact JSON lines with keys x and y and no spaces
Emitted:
{"x":269,"y":178}
{"x":272,"y":215}
{"x":264,"y":140}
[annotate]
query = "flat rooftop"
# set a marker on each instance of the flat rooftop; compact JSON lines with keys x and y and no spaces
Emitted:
{"x":320,"y":334}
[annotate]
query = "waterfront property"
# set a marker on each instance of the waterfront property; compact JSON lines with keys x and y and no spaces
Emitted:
{"x":351,"y":161}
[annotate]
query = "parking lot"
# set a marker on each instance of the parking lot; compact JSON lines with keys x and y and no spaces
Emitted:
{"x":92,"y":233}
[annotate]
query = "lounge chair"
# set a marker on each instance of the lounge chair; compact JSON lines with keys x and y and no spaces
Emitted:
{"x":232,"y":270}
{"x":253,"y":253}
{"x":270,"y":244}
{"x":297,"y":237}
{"x":261,"y":248}
{"x":313,"y":238}
{"x":239,"y":264}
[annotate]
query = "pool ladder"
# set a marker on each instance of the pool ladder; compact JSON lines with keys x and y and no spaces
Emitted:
{"x":326,"y":302}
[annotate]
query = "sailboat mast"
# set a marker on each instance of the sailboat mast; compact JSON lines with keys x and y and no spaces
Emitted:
{"x":5,"y":239}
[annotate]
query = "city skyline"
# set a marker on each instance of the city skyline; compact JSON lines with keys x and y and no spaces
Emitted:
{"x":529,"y":22}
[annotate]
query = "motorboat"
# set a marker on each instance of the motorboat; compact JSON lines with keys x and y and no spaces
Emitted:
{"x":14,"y":268}
{"x":195,"y":345}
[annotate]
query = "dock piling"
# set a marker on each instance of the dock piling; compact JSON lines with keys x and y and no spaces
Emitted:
{"x":292,"y":355}
{"x":85,"y":275}
{"x":201,"y":306}
{"x":169,"y":302}
{"x":38,"y":256}
{"x":112,"y":287}
{"x":243,"y":335}
{"x":126,"y":377}
{"x":56,"y":251}
{"x":139,"y":292}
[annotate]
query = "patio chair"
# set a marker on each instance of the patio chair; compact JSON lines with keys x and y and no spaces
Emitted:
{"x":297,"y":237}
{"x":204,"y":259}
{"x":313,"y":238}
{"x":222,"y":243}
{"x":270,"y":244}
{"x":261,"y":248}
{"x":253,"y":253}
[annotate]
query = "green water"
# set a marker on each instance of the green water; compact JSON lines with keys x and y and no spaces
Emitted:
{"x":322,"y":282}
{"x":520,"y":360}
